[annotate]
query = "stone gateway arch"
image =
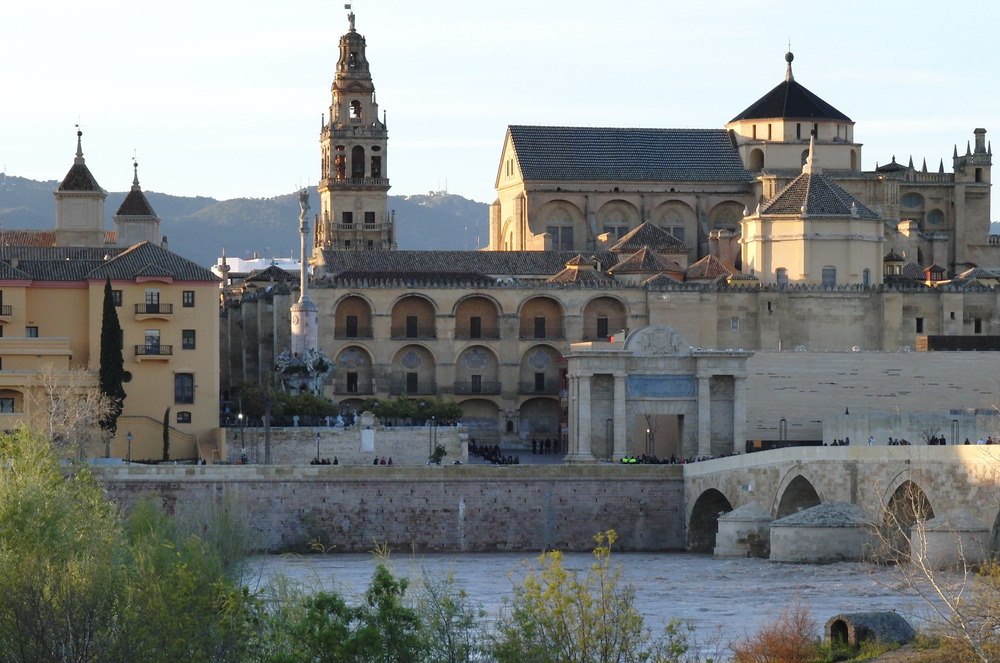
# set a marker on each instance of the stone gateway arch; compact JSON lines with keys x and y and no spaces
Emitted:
{"x":654,"y":394}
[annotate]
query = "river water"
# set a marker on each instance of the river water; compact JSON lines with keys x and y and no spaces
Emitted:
{"x":729,"y":598}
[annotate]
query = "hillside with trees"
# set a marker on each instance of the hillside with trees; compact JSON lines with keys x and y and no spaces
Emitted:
{"x":198,"y":227}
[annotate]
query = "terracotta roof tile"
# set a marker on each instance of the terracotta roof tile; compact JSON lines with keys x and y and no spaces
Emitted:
{"x":642,"y":261}
{"x":817,"y":195}
{"x":651,"y":235}
{"x":708,"y":267}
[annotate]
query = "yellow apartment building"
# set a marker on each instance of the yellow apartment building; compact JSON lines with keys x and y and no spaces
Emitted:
{"x":51,"y":307}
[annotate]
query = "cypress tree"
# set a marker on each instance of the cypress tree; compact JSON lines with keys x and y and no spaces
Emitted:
{"x":112,"y":364}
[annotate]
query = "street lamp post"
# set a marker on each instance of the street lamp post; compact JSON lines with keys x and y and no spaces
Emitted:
{"x":649,"y":442}
{"x":317,"y":447}
{"x":128,"y":436}
{"x":430,"y":438}
{"x":243,"y":442}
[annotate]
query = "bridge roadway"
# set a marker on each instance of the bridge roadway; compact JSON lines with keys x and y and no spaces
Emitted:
{"x":880,"y":479}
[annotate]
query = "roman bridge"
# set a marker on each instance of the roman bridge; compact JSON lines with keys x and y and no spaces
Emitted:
{"x":879,"y":479}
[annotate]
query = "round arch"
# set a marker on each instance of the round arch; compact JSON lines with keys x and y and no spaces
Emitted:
{"x":477,"y":316}
{"x":703,"y":524}
{"x":413,"y":371}
{"x":603,"y":315}
{"x":477,"y":371}
{"x":677,"y":218}
{"x":906,"y":504}
{"x":353,"y":371}
{"x":413,"y":316}
{"x":795,"y":494}
{"x":617,"y":217}
{"x":541,"y":317}
{"x":352,"y":316}
{"x":539,"y":418}
{"x":562,"y":217}
{"x":756,"y":160}
{"x":480,"y":416}
{"x":726,"y":215}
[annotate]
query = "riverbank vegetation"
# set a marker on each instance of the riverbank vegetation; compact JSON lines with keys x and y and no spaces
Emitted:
{"x":82,"y":582}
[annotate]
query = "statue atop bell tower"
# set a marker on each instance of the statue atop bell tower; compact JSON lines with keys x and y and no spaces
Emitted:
{"x":354,"y":186}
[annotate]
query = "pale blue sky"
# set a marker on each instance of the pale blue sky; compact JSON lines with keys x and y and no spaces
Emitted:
{"x":223,"y":98}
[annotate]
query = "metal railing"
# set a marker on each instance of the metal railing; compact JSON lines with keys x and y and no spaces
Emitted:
{"x":154,"y":350}
{"x":488,"y":388}
{"x":154,"y":309}
{"x":421,"y":331}
{"x":357,"y":332}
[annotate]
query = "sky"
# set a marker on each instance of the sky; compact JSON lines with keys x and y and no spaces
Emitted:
{"x":224,"y":98}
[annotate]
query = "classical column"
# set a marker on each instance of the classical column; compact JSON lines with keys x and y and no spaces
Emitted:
{"x":619,"y":417}
{"x":739,"y":414}
{"x":581,"y":416}
{"x":574,"y":420}
{"x":704,"y":416}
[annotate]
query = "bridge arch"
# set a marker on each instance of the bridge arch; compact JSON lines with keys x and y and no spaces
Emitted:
{"x":904,"y":507}
{"x":704,"y":521}
{"x":796,"y":492}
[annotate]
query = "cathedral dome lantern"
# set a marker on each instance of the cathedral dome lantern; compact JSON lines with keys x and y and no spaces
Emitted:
{"x":772,"y":131}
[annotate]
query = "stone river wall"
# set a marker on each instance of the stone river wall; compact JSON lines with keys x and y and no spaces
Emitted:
{"x":468,"y":508}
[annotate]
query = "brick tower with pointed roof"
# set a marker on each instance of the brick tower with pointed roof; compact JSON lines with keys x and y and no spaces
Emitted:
{"x":354,"y":184}
{"x":79,"y":205}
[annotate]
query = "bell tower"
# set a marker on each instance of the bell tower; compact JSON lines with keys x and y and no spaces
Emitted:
{"x":354,"y":185}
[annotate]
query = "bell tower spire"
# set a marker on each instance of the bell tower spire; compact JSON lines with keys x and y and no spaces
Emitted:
{"x":353,"y":185}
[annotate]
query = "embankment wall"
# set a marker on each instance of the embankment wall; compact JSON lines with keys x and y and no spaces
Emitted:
{"x":468,"y":508}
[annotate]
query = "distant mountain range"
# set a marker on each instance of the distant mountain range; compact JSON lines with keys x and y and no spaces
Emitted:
{"x":198,"y":228}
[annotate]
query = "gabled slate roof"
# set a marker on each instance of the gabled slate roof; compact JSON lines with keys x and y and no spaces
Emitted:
{"x":651,"y":235}
{"x":496,"y":263}
{"x":624,"y":154}
{"x":817,"y":195}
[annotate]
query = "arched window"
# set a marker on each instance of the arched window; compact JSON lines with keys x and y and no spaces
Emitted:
{"x":757,"y":160}
{"x":357,"y":162}
{"x":781,"y":276}
{"x":356,"y":109}
{"x":866,"y":278}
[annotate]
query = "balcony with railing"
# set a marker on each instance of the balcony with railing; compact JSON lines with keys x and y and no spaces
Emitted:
{"x":358,"y":389}
{"x":422,"y":388}
{"x":352,"y":332}
{"x":550,"y":334}
{"x":164,"y":352}
{"x":358,"y":181}
{"x":548,"y":387}
{"x":418,"y":332}
{"x":487,"y":333}
{"x":486,"y":388}
{"x":147,"y":311}
{"x":6,"y":312}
